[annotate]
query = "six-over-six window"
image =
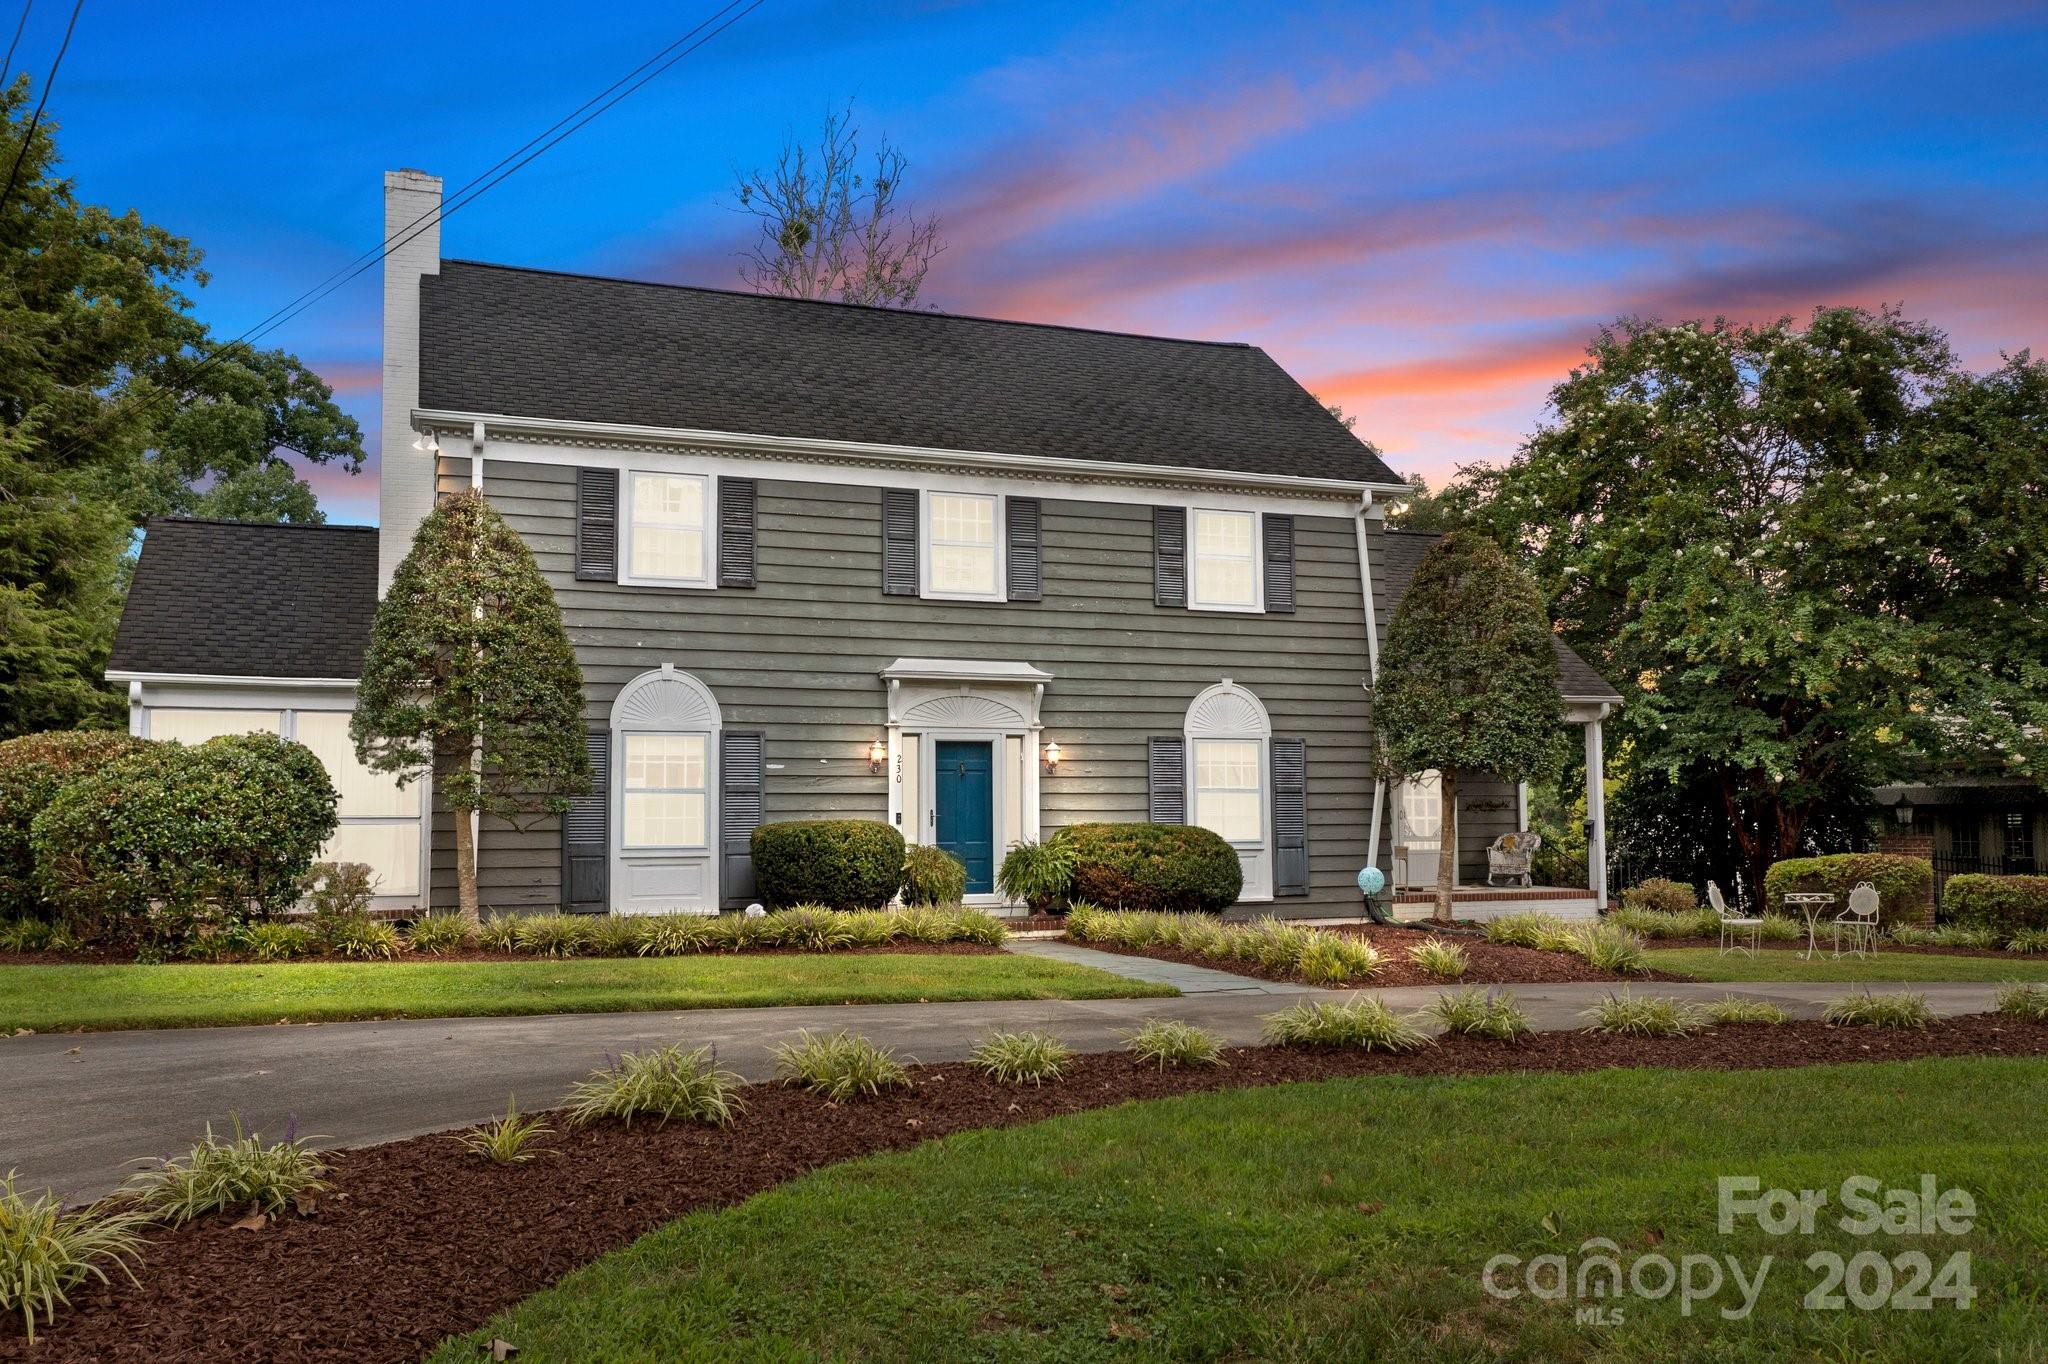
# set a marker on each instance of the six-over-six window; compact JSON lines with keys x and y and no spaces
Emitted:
{"x":1225,"y":563}
{"x":665,"y":790}
{"x":962,"y":547}
{"x":667,"y":536}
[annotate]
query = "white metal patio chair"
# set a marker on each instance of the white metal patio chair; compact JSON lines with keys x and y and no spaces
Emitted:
{"x":1734,"y":925}
{"x":1858,"y":923}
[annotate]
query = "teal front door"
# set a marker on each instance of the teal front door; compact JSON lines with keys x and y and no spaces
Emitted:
{"x":963,"y":800}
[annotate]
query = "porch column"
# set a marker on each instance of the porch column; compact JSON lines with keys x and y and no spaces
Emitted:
{"x":1596,"y":808}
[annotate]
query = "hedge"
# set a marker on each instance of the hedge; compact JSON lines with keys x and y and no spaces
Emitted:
{"x":33,"y":769}
{"x":843,"y":863}
{"x":1660,"y":895}
{"x":169,"y":840}
{"x":2007,"y":903}
{"x":1905,"y":885}
{"x":1176,"y":867}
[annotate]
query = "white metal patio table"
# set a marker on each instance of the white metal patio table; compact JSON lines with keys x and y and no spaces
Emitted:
{"x":1810,"y":904}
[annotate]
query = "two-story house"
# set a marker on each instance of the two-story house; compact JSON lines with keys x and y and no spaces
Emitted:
{"x":981,"y":579}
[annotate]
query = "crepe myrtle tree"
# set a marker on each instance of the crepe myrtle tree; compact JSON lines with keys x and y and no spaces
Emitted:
{"x":1469,"y":680}
{"x":470,"y":679}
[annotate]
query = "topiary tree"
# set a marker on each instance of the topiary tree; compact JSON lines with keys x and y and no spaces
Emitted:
{"x":469,"y":678}
{"x":170,"y":841}
{"x":33,"y":769}
{"x":1468,"y":680}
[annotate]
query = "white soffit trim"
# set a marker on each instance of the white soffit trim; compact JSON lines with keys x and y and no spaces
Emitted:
{"x":808,"y":447}
{"x":963,"y":670}
{"x":230,"y":680}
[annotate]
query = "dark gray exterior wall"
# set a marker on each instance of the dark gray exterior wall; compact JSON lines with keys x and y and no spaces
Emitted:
{"x":797,"y":658}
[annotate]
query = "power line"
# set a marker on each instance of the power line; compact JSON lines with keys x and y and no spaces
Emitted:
{"x":20,"y":24}
{"x":48,"y":81}
{"x":467,"y":194}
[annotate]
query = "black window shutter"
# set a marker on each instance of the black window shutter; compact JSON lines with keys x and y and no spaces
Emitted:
{"x":740,"y":774}
{"x":1024,"y":551}
{"x":1166,"y":768}
{"x":1290,"y":816}
{"x":586,"y":833}
{"x":1170,"y":556}
{"x":1279,"y":535}
{"x":899,"y":542}
{"x":736,"y":532}
{"x":597,"y":525}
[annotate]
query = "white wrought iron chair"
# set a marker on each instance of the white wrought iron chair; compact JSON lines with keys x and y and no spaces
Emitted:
{"x":1858,"y":923}
{"x":1734,"y":925}
{"x":1512,"y":855}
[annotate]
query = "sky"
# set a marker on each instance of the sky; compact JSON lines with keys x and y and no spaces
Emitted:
{"x":1424,"y":212}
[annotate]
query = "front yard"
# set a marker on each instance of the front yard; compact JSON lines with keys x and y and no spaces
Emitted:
{"x":1779,"y":964}
{"x":1338,"y":1221}
{"x":52,"y":998}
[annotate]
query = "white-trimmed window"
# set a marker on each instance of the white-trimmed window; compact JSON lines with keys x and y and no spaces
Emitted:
{"x":668,"y":529}
{"x":666,"y":791}
{"x":1229,"y":789}
{"x":1223,"y":560}
{"x":963,"y":554}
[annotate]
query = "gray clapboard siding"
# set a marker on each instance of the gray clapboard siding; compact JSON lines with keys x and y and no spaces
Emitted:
{"x":797,"y":657}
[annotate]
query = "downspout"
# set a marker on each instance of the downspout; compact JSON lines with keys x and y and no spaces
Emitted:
{"x":1372,"y":655}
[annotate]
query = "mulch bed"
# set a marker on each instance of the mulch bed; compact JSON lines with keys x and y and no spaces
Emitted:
{"x":1490,"y":963}
{"x":419,"y":1241}
{"x":96,"y":957}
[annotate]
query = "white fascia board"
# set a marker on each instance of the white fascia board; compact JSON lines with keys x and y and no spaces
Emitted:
{"x":846,"y":451}
{"x":962,"y":670}
{"x":226,"y":680}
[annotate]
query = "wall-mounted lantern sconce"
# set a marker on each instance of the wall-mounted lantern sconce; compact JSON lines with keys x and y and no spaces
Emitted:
{"x":878,"y":757}
{"x":1052,"y":758}
{"x":1903,"y":811}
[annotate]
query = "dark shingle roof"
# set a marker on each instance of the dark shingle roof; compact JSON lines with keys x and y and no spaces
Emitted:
{"x":223,"y":598}
{"x":1404,"y":550}
{"x":531,"y":343}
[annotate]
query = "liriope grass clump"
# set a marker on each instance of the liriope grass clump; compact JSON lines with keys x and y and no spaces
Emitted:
{"x":360,"y":937}
{"x":1473,"y":1012}
{"x":499,"y":934}
{"x":2024,"y":1000}
{"x":1734,"y":1010}
{"x":45,"y":1252}
{"x":1524,"y":930}
{"x":1631,"y":1015}
{"x":1441,"y":958}
{"x":2028,"y":941}
{"x":659,"y":1083}
{"x":504,"y":1141}
{"x":839,"y":1065}
{"x":1363,"y":1024}
{"x":1866,"y":1010}
{"x":1169,"y":1042}
{"x":1315,"y":955}
{"x":553,"y":935}
{"x":240,"y":1174}
{"x":436,"y":934}
{"x":1015,"y":1058}
{"x":278,"y":940}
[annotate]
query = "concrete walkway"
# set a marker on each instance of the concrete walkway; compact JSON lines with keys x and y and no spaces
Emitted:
{"x":75,"y":1108}
{"x":1189,"y":980}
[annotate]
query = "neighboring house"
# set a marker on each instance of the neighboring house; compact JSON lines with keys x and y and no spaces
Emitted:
{"x":1968,"y":822}
{"x":979,"y":579}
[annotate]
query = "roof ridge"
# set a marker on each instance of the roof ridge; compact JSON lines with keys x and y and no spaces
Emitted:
{"x":857,"y":307}
{"x":175,"y":519}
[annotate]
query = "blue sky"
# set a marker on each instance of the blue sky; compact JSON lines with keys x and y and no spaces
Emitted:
{"x":1423,"y":211}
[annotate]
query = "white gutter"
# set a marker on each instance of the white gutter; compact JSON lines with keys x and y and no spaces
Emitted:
{"x":229,"y":680}
{"x":1372,"y":656}
{"x":439,"y":420}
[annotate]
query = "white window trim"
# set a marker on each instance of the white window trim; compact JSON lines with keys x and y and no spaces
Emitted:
{"x":1257,"y":605}
{"x":1229,"y":712}
{"x":627,"y":792}
{"x":707,"y":583}
{"x":1000,"y":502}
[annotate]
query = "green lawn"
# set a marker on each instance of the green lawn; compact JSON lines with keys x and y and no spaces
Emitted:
{"x":1341,"y":1221}
{"x":50,"y":998}
{"x":1773,"y":964}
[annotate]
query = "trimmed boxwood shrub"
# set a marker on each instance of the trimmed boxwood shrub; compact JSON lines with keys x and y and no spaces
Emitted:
{"x":932,"y":876}
{"x":2006,"y":903}
{"x":169,"y":841}
{"x":33,"y":769}
{"x":1178,"y":867}
{"x":1905,"y":885}
{"x":844,"y":863}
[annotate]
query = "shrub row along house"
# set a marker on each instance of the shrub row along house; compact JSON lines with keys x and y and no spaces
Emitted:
{"x":979,"y":579}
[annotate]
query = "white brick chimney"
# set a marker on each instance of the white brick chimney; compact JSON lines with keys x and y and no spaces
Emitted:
{"x":405,"y":491}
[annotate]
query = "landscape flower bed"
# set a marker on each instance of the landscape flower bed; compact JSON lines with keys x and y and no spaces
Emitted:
{"x":1356,"y":955}
{"x":416,"y":1240}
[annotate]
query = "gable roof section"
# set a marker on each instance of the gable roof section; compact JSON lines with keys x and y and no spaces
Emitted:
{"x":509,"y":342}
{"x":229,"y":599}
{"x":1404,"y":550}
